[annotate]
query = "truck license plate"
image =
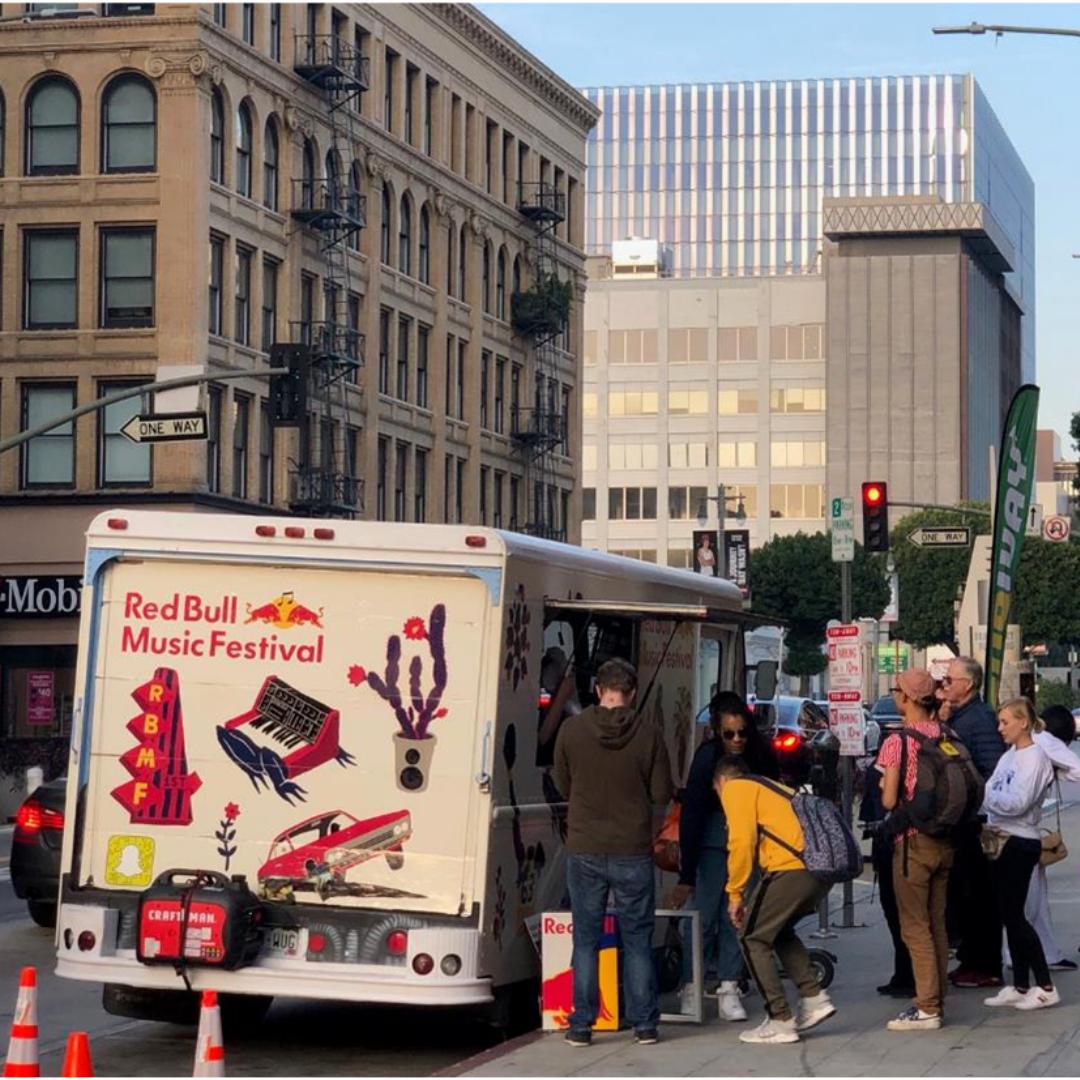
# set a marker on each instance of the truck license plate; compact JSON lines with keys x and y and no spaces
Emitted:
{"x":285,"y":942}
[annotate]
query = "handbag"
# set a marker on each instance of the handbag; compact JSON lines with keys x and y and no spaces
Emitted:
{"x":1053,"y":844}
{"x":993,"y":841}
{"x":666,"y":853}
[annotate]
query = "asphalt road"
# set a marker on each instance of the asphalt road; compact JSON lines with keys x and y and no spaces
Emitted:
{"x":298,"y":1038}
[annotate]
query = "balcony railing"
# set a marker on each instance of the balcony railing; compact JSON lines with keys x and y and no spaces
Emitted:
{"x":324,"y":204}
{"x":541,"y":202}
{"x":331,"y":63}
{"x":331,"y":343}
{"x":326,"y":493}
{"x":535,"y":427}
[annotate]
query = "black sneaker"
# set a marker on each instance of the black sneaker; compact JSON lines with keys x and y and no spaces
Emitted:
{"x":646,"y":1037}
{"x":579,"y":1038}
{"x":896,"y":990}
{"x":1063,"y":965}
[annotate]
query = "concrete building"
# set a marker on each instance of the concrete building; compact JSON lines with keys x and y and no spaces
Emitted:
{"x":163,"y":175}
{"x":1054,"y":476}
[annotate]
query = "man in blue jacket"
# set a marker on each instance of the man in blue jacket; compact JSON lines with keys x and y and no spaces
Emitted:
{"x":975,"y":723}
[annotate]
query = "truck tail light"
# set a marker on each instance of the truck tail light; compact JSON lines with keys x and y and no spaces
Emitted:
{"x":397,"y":943}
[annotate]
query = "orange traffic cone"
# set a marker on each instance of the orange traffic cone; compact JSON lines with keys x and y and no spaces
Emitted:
{"x":77,"y":1058}
{"x":210,"y":1047}
{"x":22,"y":1055}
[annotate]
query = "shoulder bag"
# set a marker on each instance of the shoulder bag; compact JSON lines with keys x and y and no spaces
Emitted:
{"x":1053,"y":843}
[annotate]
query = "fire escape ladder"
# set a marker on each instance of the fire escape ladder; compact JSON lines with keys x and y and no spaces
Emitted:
{"x":324,"y":480}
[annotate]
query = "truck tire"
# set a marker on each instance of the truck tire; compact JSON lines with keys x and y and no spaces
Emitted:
{"x":42,"y":912}
{"x":241,"y":1013}
{"x":516,"y":1008}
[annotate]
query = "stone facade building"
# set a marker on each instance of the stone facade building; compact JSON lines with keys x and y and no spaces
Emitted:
{"x":155,"y":163}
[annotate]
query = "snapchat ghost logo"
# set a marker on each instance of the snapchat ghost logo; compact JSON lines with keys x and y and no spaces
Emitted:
{"x":130,"y":861}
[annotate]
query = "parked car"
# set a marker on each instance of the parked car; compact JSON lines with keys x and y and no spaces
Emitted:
{"x":887,"y":715}
{"x":35,"y":851}
{"x":807,"y":751}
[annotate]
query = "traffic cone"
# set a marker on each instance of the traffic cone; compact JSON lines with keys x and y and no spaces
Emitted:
{"x":22,"y":1055}
{"x":77,"y":1058}
{"x":209,"y":1047}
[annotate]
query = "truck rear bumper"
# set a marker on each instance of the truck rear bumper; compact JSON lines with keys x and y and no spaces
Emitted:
{"x":101,"y":962}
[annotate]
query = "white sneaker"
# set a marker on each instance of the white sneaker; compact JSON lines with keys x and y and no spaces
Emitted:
{"x":813,"y":1010}
{"x":772,"y":1032}
{"x":688,"y":1000}
{"x":913,"y":1019}
{"x":1038,"y":998}
{"x":729,"y":1005}
{"x":1007,"y":995}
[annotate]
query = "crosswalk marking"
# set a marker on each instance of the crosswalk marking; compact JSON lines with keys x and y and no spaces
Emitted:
{"x":5,"y":874}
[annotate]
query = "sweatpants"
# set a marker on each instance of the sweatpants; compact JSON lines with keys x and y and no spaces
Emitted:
{"x":768,"y":936}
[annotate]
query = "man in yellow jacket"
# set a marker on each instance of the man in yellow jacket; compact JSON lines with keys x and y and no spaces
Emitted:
{"x":763,"y":828}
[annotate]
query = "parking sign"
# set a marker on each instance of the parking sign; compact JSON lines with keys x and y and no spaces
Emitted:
{"x":842,"y":529}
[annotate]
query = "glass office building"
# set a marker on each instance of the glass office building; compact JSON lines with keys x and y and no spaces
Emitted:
{"x":730,"y":177}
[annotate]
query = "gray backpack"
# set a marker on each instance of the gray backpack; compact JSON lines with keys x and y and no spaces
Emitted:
{"x":830,"y":851}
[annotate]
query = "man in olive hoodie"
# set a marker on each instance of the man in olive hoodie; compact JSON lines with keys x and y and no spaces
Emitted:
{"x":612,"y":766}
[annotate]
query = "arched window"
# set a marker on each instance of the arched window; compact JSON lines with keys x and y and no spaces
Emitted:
{"x":356,"y":199}
{"x":217,"y":138}
{"x":405,"y":236}
{"x":500,"y":285}
{"x":463,"y":261}
{"x":517,"y":274}
{"x":52,"y":129}
{"x":271,"y":156}
{"x":243,"y":150}
{"x":384,"y":242}
{"x":307,"y":182}
{"x":425,"y":245}
{"x":486,"y":284}
{"x":129,"y":126}
{"x":333,"y":179}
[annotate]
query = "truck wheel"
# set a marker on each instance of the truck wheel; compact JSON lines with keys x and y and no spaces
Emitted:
{"x":395,"y":860}
{"x":42,"y":912}
{"x":516,"y":1008}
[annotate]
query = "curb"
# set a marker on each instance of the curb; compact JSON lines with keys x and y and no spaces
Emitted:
{"x":492,"y":1054}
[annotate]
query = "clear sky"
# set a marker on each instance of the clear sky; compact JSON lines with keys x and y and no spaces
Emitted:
{"x":1033,"y":84}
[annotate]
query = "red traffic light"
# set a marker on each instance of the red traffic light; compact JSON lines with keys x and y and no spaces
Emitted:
{"x":872,"y":494}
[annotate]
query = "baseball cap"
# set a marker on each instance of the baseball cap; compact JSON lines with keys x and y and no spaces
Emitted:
{"x":917,"y":683}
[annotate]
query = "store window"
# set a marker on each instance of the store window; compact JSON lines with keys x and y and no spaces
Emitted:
{"x":37,"y":692}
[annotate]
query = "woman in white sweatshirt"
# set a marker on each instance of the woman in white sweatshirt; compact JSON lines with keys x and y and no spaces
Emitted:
{"x":1013,"y":805}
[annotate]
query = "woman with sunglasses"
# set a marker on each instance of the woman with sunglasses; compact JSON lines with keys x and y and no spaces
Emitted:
{"x":703,"y":843}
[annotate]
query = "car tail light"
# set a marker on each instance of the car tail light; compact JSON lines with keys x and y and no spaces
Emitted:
{"x":545,"y":699}
{"x":786,"y":742}
{"x":33,"y":817}
{"x":397,"y":943}
{"x":423,"y":964}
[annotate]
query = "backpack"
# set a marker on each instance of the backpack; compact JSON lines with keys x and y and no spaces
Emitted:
{"x":830,"y":851}
{"x":948,"y":787}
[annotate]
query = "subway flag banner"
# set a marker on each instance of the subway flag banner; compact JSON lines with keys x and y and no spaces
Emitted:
{"x":1016,"y":478}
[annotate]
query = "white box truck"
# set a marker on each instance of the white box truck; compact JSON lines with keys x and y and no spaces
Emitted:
{"x":352,"y":724}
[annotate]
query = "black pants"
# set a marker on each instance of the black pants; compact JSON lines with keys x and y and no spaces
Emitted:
{"x":1011,"y":873}
{"x":882,"y":859}
{"x":974,"y":910}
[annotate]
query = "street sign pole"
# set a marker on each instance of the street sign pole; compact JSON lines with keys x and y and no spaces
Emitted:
{"x":847,"y":763}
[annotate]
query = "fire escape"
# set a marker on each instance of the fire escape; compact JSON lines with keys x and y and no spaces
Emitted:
{"x":324,"y":483}
{"x":540,"y":313}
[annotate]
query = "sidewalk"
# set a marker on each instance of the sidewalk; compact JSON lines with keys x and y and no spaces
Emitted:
{"x":977,"y":1041}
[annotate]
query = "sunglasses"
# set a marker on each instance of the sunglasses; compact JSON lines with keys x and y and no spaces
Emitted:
{"x":950,"y":679}
{"x":732,"y":735}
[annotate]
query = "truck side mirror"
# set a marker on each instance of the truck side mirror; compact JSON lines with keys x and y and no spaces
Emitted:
{"x":765,"y":680}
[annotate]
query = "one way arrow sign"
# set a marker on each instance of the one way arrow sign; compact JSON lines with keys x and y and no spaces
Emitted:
{"x":941,"y":537}
{"x":165,"y":427}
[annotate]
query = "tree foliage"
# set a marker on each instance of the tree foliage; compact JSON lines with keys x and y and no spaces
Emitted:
{"x":930,"y":577}
{"x":1044,"y":601}
{"x":795,"y":579}
{"x":1049,"y":692}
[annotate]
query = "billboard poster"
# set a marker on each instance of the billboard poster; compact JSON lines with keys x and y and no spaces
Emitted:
{"x":40,"y":695}
{"x":737,"y":558}
{"x":1015,"y":480}
{"x":706,"y":548}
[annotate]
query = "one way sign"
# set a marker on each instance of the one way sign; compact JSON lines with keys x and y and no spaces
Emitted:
{"x":165,"y":427}
{"x":937,"y":536}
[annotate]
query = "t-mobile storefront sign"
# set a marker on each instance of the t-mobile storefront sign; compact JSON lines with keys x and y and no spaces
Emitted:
{"x":39,"y":597}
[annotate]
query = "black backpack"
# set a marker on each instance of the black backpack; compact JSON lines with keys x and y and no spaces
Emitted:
{"x":948,"y":787}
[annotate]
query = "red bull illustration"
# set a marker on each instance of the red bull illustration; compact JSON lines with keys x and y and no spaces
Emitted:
{"x":557,"y":988}
{"x":284,"y":612}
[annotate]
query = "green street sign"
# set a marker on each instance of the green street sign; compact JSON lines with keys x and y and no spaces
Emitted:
{"x":893,"y":661}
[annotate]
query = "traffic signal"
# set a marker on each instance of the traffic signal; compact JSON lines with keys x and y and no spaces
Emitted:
{"x":288,"y":393}
{"x":875,"y":515}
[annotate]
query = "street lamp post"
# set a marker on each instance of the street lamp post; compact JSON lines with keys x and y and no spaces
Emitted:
{"x":980,"y":28}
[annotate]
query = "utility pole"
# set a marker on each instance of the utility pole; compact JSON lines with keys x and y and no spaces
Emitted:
{"x":847,"y":764}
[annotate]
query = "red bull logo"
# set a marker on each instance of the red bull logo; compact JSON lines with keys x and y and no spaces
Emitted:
{"x":285,"y":612}
{"x":557,"y":987}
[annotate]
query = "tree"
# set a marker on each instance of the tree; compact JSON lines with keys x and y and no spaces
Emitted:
{"x":1049,"y":573}
{"x":795,"y":579}
{"x":1050,"y":693}
{"x":930,"y":577}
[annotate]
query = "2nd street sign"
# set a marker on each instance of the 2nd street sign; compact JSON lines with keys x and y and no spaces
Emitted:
{"x":842,"y":529}
{"x":941,"y":536}
{"x":165,"y":427}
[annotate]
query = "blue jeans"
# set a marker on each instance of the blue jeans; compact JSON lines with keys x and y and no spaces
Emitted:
{"x":720,"y":950}
{"x":632,"y":879}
